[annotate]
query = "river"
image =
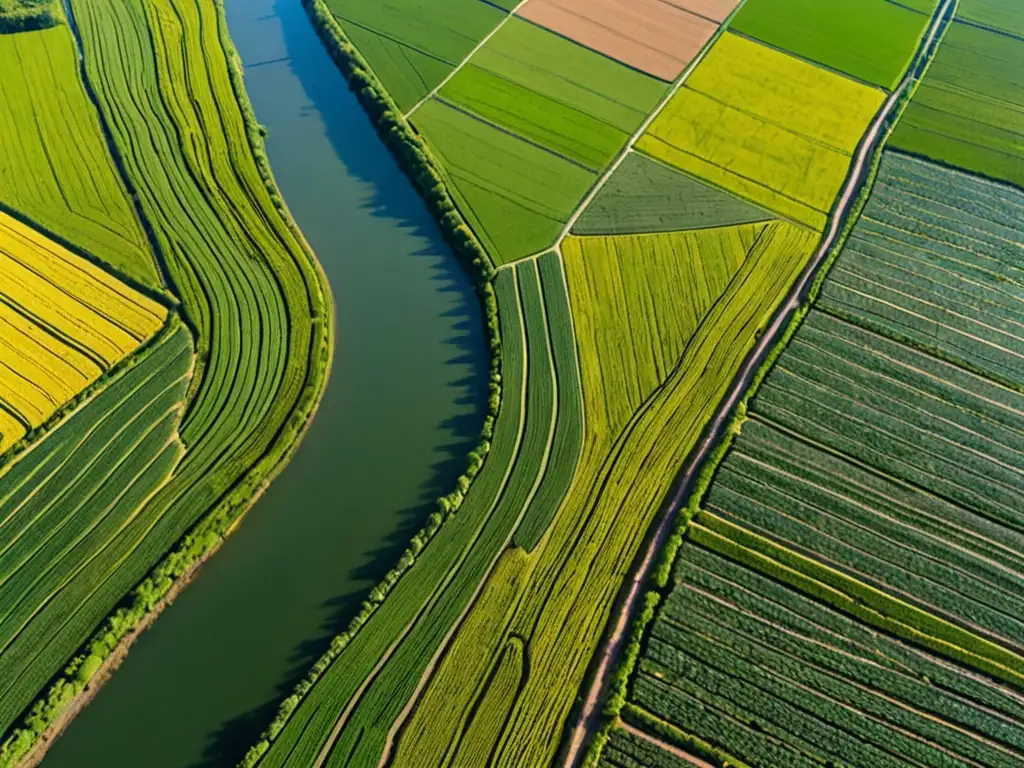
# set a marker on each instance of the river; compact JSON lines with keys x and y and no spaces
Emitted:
{"x":403,"y":407}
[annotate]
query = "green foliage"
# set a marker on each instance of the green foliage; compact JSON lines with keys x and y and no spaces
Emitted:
{"x":969,"y":110}
{"x":871,"y":40}
{"x":28,"y":16}
{"x":515,"y":195}
{"x":644,"y":195}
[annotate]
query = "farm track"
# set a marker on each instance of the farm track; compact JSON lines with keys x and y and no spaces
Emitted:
{"x":586,"y":719}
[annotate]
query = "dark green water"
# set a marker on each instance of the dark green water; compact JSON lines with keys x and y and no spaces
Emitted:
{"x":403,"y":406}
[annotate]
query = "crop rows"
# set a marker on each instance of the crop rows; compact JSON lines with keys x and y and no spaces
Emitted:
{"x":644,"y":196}
{"x":163,"y":80}
{"x":745,"y":99}
{"x":777,"y":678}
{"x":54,"y":165}
{"x":517,"y":476}
{"x":935,"y":261}
{"x":63,"y":322}
{"x":967,"y":111}
{"x":566,"y":585}
{"x":65,"y":504}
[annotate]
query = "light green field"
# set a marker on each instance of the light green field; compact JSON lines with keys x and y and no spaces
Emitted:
{"x":516,"y":196}
{"x":54,"y":164}
{"x":555,"y":92}
{"x":769,"y":127}
{"x":413,"y":44}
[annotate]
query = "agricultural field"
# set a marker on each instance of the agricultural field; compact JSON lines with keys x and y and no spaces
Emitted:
{"x":768,"y":127}
{"x":70,"y":503}
{"x":63,"y":323}
{"x":648,"y":35}
{"x":969,"y":110}
{"x":414,"y":44}
{"x":513,"y":193}
{"x":647,"y":195}
{"x":870,"y":40}
{"x":644,"y":195}
{"x":252,"y":343}
{"x":856,"y":559}
{"x":54,"y":166}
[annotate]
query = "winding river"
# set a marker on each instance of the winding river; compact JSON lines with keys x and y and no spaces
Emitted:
{"x":403,"y":406}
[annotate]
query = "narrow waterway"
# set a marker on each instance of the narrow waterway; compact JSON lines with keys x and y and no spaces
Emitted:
{"x":402,"y":408}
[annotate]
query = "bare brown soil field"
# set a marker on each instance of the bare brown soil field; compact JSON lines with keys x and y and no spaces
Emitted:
{"x":715,"y":10}
{"x":650,"y":35}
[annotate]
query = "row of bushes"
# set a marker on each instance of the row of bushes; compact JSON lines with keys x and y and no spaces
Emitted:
{"x":415,"y":159}
{"x":28,"y":15}
{"x":617,"y":705}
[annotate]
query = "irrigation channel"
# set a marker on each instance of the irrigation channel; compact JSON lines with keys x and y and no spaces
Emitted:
{"x":404,"y":405}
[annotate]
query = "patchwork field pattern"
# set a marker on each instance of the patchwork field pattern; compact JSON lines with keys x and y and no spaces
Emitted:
{"x":515,"y":194}
{"x":70,"y":507}
{"x":870,"y":40}
{"x":644,"y":195}
{"x":63,"y":322}
{"x":659,"y":38}
{"x":766,"y":126}
{"x":969,"y":110}
{"x":856,"y":563}
{"x":633,"y":420}
{"x":54,"y":165}
{"x":552,"y":91}
{"x":414,"y":44}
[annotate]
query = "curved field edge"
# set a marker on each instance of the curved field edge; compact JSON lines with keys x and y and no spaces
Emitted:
{"x":416,"y":160}
{"x":73,"y":688}
{"x":655,"y":581}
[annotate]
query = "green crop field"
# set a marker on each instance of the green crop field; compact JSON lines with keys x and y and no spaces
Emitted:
{"x":969,"y":110}
{"x":54,"y":166}
{"x":644,"y":195}
{"x":748,"y":491}
{"x":876,"y":484}
{"x":766,"y":126}
{"x":516,"y":195}
{"x":552,"y":91}
{"x":870,"y":40}
{"x":68,"y":505}
{"x":414,"y":44}
{"x":248,"y":289}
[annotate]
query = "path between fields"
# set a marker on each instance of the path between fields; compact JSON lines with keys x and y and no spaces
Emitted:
{"x":587,"y":717}
{"x":463,"y":63}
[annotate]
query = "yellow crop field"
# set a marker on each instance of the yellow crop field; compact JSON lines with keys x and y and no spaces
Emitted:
{"x":767,"y":126}
{"x":63,"y":321}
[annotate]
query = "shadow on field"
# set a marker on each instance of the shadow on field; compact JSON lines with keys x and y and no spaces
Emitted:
{"x":390,"y":197}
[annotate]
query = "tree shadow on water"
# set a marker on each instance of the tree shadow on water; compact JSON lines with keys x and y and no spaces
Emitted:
{"x":392,"y":197}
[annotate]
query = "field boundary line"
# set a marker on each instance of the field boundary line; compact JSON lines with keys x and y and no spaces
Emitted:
{"x":465,"y":60}
{"x":631,"y":588}
{"x":398,"y":725}
{"x":357,"y":695}
{"x":664,"y":746}
{"x":635,"y":137}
